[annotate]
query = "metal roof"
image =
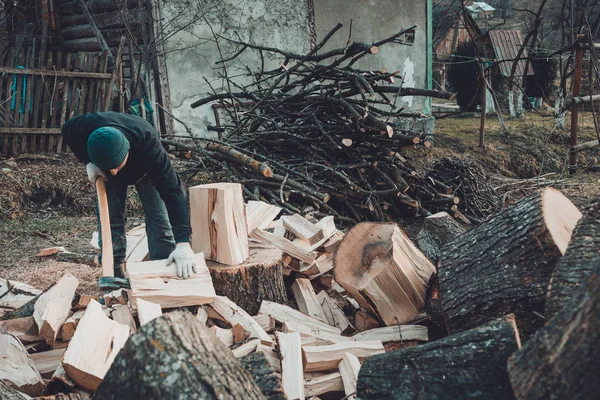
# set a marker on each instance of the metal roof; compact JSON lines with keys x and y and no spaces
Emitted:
{"x":506,"y":45}
{"x":476,"y":6}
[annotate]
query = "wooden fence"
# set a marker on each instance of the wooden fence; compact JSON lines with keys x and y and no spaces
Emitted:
{"x":39,"y":92}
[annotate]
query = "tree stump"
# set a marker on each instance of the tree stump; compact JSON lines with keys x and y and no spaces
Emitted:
{"x":384,"y":271}
{"x":175,"y":357}
{"x":583,"y":254}
{"x":561,"y":361}
{"x":259,"y":278}
{"x":504,"y":265}
{"x":264,"y":375}
{"x":470,"y":364}
{"x":438,"y":230}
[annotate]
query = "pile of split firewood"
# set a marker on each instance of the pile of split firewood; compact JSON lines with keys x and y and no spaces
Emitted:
{"x":289,"y":306}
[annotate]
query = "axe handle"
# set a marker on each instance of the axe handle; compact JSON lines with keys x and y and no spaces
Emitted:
{"x":107,"y":248}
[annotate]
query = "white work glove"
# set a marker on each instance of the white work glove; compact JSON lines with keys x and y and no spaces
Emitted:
{"x":94,"y":172}
{"x":184,"y":259}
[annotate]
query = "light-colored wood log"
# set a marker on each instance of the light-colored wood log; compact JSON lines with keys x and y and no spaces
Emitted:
{"x":384,"y":271}
{"x":17,"y":369}
{"x":285,"y":245}
{"x":331,"y":245}
{"x":14,"y":294}
{"x":326,"y":358}
{"x":25,"y":329}
{"x":218,"y":219}
{"x":94,"y":346}
{"x":266,"y":322}
{"x":260,"y":214}
{"x":278,"y":228}
{"x":68,"y":328}
{"x":224,"y":335}
{"x":317,"y":384}
{"x":396,"y":333}
{"x":246,"y":348}
{"x":147,"y":311}
{"x":52,"y":307}
{"x":122,"y":315}
{"x":50,"y":251}
{"x":307,"y":299}
{"x":322,"y":265}
{"x":302,"y":228}
{"x":137,"y":244}
{"x":157,"y":282}
{"x":239,"y":333}
{"x":292,"y":364}
{"x":47,"y":362}
{"x":334,"y":315}
{"x":235,"y":315}
{"x":349,"y":367}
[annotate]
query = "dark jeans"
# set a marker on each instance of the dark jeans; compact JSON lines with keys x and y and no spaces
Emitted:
{"x":158,"y":228}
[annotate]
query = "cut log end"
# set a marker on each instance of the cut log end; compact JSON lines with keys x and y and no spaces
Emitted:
{"x":561,"y":216}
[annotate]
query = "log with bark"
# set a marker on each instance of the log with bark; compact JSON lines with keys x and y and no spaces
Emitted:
{"x":504,"y":265}
{"x":188,"y":361}
{"x":438,"y":230}
{"x":264,"y":375}
{"x":470,"y":364}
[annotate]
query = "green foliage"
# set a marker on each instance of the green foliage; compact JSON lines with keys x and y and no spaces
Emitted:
{"x":463,"y":76}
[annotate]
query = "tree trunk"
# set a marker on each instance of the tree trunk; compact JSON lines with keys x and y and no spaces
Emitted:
{"x":581,"y":257}
{"x":259,"y":278}
{"x":438,"y":230}
{"x":264,"y":375}
{"x":561,"y":361}
{"x":174,"y":357}
{"x":504,"y":265}
{"x":470,"y":364}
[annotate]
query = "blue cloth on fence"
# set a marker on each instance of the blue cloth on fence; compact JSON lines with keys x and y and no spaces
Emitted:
{"x":13,"y":90}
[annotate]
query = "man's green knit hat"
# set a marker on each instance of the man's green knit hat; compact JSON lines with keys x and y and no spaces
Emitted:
{"x":107,"y":147}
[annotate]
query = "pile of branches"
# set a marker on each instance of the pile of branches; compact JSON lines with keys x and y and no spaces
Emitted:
{"x":320,"y":132}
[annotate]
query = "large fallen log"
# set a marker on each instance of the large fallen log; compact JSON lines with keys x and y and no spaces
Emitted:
{"x":470,"y":364}
{"x":581,"y":257}
{"x":188,"y":360}
{"x":504,"y":265}
{"x":438,"y":230}
{"x":561,"y":361}
{"x":384,"y":271}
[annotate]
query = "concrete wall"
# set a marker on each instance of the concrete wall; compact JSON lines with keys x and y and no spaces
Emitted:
{"x":373,"y":20}
{"x":192,"y":54}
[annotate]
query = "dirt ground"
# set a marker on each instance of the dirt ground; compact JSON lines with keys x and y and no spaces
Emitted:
{"x":46,"y":200}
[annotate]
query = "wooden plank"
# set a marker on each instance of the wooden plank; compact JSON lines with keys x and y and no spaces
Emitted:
{"x":396,"y":333}
{"x":17,"y":369}
{"x":28,"y":140}
{"x":52,"y":73}
{"x":109,"y":92}
{"x":285,"y":245}
{"x":90,"y":103}
{"x":18,"y":95}
{"x":92,"y":23}
{"x":122,"y":315}
{"x":307,"y":299}
{"x":236,"y":315}
{"x":326,"y":358}
{"x":302,"y":228}
{"x":52,"y":307}
{"x":75,"y":90}
{"x":47,"y":362}
{"x":349,"y":368}
{"x":260,"y":214}
{"x":37,"y":100}
{"x":158,"y":282}
{"x":86,"y":364}
{"x":292,"y":365}
{"x":47,"y":91}
{"x":33,"y":131}
{"x":103,"y":84}
{"x":3,"y":101}
{"x":8,"y":100}
{"x":334,"y":315}
{"x":99,"y":83}
{"x":318,"y":384}
{"x":84,"y":83}
{"x":65,"y":103}
{"x":53,"y":98}
{"x":147,"y":311}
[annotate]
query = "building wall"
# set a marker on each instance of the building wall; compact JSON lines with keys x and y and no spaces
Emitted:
{"x":373,"y":20}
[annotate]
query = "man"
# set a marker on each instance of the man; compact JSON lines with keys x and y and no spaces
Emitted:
{"x":126,"y":150}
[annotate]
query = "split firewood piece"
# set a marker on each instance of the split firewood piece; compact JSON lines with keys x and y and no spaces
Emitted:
{"x":486,"y":272}
{"x":365,"y":321}
{"x":271,"y":355}
{"x":325,"y":358}
{"x":285,"y":245}
{"x":398,"y":333}
{"x":235,"y":315}
{"x":331,"y":245}
{"x":307,"y":299}
{"x":52,"y":307}
{"x":173,"y":340}
{"x":325,"y":281}
{"x":318,"y":384}
{"x":218,"y":215}
{"x":122,"y":315}
{"x":47,"y":362}
{"x":224,"y":335}
{"x":292,"y":364}
{"x":137,"y":244}
{"x":85,"y":364}
{"x":349,"y":368}
{"x":25,"y":329}
{"x":115,"y":297}
{"x":260,"y":214}
{"x":302,"y":228}
{"x":17,"y":369}
{"x":561,"y":360}
{"x":147,"y":311}
{"x":384,"y":271}
{"x":68,"y":328}
{"x":581,"y":257}
{"x":15,"y":294}
{"x":333,"y":314}
{"x":60,"y":382}
{"x":239,"y":333}
{"x":438,"y":230}
{"x":266,"y":322}
{"x":202,"y":315}
{"x":278,"y":228}
{"x":246,"y":348}
{"x":300,"y":322}
{"x":157,"y":282}
{"x":264,"y":375}
{"x":50,"y":251}
{"x":469,"y":362}
{"x":82,"y":303}
{"x":258,"y":278}
{"x":322,"y":265}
